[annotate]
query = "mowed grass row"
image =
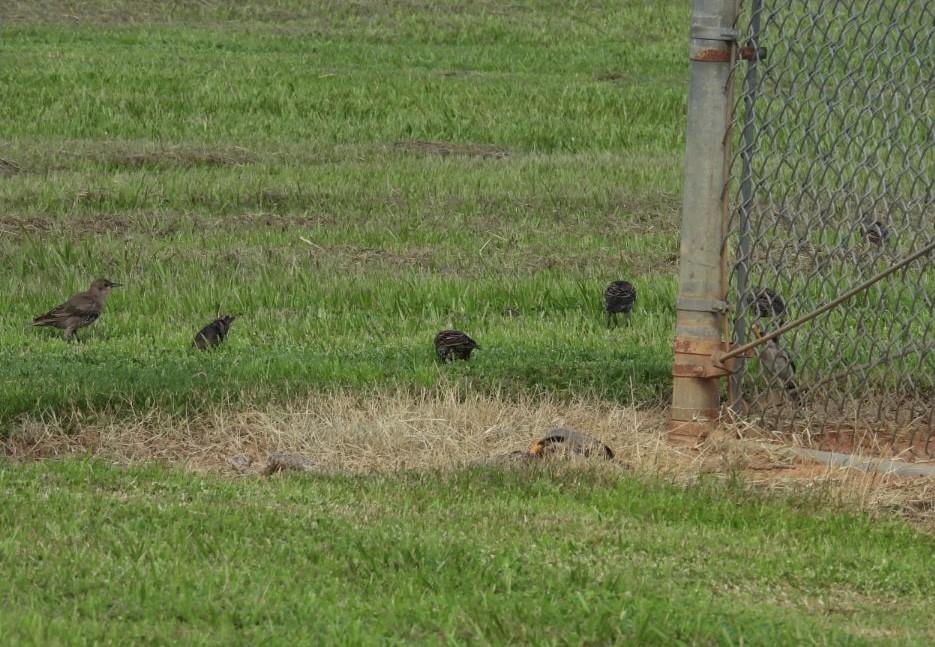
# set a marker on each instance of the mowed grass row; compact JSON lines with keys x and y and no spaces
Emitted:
{"x":465,"y":75}
{"x":349,"y":291}
{"x":348,"y":185}
{"x":151,"y":556}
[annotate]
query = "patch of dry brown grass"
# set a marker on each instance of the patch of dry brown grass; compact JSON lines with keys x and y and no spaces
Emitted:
{"x":773,"y":461}
{"x":435,"y":429}
{"x":128,"y":155}
{"x":446,"y":149}
{"x":447,"y":430}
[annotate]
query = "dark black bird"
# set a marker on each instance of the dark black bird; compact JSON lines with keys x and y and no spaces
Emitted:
{"x":874,"y":232}
{"x":214,"y":333}
{"x":454,"y":344}
{"x":79,"y":311}
{"x":765,"y":303}
{"x":619,"y":297}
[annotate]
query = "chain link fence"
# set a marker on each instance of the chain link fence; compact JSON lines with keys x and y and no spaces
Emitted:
{"x":831,"y":184}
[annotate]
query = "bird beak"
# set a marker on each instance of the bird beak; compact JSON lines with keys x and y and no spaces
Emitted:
{"x":756,"y":331}
{"x":116,"y":285}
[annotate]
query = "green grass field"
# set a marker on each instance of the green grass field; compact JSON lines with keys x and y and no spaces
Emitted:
{"x":349,"y":182}
{"x":350,"y":178}
{"x":149,"y":556}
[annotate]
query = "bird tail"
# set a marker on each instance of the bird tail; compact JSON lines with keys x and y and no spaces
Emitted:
{"x":44,"y":320}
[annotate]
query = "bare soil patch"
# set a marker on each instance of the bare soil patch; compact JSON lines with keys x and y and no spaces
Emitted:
{"x":872,"y":424}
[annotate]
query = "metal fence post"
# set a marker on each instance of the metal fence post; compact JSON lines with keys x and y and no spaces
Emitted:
{"x":700,"y":305}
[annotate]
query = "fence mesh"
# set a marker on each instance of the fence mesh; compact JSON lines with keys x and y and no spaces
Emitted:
{"x":832,"y":183}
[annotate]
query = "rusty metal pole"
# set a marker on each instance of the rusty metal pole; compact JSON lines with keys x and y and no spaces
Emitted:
{"x":700,"y":306}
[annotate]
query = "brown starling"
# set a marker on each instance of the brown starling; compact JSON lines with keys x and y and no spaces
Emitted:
{"x":81,"y":310}
{"x":281,"y":462}
{"x":454,"y":344}
{"x":562,"y":441}
{"x":214,"y":333}
{"x":874,"y":232}
{"x":778,"y":363}
{"x":765,"y":303}
{"x":619,"y":297}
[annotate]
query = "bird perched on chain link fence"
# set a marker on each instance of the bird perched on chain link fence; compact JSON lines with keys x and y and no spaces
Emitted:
{"x":81,"y":310}
{"x":765,"y":303}
{"x":619,"y":297}
{"x":778,"y":363}
{"x":214,"y":333}
{"x":454,"y":344}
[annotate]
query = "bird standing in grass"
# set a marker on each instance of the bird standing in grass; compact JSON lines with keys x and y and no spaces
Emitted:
{"x":874,"y":232}
{"x":79,"y":311}
{"x":214,"y":333}
{"x":778,"y":363}
{"x":454,"y":344}
{"x":619,"y":297}
{"x":765,"y":303}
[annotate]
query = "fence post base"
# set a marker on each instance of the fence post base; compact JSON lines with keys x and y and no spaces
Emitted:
{"x":689,"y":433}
